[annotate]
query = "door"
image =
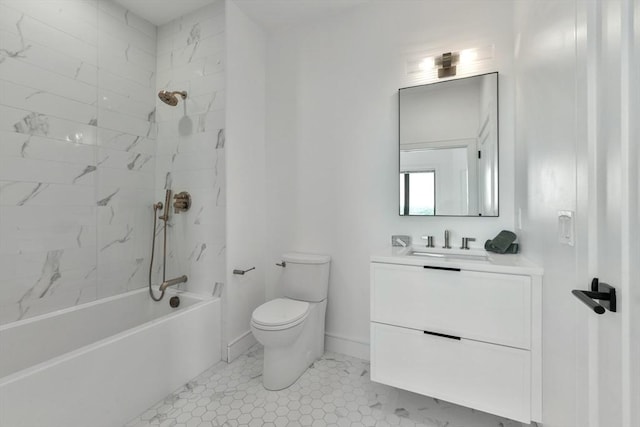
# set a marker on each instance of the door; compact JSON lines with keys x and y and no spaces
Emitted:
{"x":608,"y":188}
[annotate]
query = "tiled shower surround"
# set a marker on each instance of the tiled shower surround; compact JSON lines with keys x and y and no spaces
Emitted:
{"x":191,"y":139}
{"x":79,"y":148}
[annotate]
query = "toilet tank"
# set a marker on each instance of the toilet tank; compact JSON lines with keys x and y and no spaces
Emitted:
{"x":306,"y":276}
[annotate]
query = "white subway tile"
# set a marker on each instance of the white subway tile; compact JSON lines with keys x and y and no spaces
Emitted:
{"x":209,"y":83}
{"x":126,"y":160}
{"x":25,"y":26}
{"x":125,"y":142}
{"x":117,"y":64}
{"x":44,"y":171}
{"x":33,"y":76}
{"x":126,"y":16}
{"x":43,"y":148}
{"x":198,"y":50}
{"x":138,"y":108}
{"x":31,"y":228}
{"x":127,"y":50}
{"x":84,"y":292}
{"x":207,"y":26}
{"x":119,"y":178}
{"x":37,"y":100}
{"x":31,"y":123}
{"x":120,"y":29}
{"x":79,"y":19}
{"x":26,"y":264}
{"x":124,"y":123}
{"x":54,"y":60}
{"x":214,"y":10}
{"x":43,"y":194}
{"x":124,"y":86}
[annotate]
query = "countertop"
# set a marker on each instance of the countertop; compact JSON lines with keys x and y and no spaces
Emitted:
{"x":496,"y":263}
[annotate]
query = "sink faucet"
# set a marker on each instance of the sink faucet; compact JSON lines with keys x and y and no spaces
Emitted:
{"x":446,"y":240}
{"x":172,"y":282}
{"x":465,"y":242}
{"x":429,"y":240}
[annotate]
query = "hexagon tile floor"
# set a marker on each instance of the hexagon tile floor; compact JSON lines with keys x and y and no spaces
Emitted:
{"x":334,"y":391}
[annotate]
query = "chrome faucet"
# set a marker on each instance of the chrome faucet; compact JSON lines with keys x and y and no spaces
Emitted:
{"x":429,"y":240}
{"x":172,"y":282}
{"x":465,"y":242}
{"x":446,"y":240}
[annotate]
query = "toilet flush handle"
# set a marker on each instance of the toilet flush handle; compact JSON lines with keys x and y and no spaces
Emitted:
{"x":282,"y":264}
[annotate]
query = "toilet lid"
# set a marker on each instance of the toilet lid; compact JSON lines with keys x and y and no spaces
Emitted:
{"x":280,"y":311}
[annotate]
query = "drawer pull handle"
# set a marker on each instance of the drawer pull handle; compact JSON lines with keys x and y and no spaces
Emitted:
{"x":441,"y":268}
{"x":451,"y":337}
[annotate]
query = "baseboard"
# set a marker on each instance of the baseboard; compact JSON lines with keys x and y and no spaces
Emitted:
{"x":343,"y":345}
{"x":334,"y":343}
{"x":240,"y":345}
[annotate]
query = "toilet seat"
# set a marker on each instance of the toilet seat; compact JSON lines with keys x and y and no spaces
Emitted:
{"x":280,"y":313}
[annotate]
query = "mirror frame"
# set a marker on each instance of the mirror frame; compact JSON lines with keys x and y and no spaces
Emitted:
{"x":497,"y":144}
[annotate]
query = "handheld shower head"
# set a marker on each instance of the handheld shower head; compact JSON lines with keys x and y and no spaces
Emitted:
{"x":171,"y":98}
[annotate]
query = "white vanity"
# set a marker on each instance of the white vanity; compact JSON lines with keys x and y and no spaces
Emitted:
{"x":460,"y":328}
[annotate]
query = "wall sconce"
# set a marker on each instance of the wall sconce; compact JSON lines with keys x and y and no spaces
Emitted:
{"x":446,"y":64}
{"x":422,"y":67}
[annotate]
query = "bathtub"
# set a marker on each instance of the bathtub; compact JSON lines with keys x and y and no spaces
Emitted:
{"x":103,"y":363}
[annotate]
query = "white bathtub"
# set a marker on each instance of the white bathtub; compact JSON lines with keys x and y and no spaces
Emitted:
{"x":102,"y":363}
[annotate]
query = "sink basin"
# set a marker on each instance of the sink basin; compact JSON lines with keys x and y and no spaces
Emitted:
{"x":435,"y":255}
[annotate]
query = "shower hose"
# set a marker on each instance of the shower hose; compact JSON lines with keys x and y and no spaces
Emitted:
{"x":153,"y":247}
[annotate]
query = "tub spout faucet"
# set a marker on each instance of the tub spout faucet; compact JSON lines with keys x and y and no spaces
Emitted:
{"x":172,"y":282}
{"x":446,"y":240}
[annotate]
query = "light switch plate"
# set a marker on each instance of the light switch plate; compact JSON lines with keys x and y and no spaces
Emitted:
{"x":519,"y":219}
{"x":566,"y":227}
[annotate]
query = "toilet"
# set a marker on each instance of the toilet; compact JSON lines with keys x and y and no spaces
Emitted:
{"x":291,"y":328}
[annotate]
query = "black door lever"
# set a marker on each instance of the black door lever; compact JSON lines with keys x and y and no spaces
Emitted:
{"x":606,"y":294}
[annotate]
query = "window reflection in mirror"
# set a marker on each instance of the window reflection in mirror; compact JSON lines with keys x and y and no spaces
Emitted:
{"x":418,"y":193}
{"x":449,"y":130}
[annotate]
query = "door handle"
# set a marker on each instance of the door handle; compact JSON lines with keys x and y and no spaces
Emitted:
{"x":604,"y":293}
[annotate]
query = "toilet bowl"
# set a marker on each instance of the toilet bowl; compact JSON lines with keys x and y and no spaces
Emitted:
{"x":291,"y":328}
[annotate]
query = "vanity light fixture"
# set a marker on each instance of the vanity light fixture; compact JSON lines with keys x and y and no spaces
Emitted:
{"x":446,"y":64}
{"x":429,"y":66}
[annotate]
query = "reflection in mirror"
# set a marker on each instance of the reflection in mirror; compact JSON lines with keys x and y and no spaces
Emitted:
{"x":449,"y":148}
{"x":418,"y":193}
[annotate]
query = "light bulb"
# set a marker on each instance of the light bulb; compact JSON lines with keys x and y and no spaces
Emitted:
{"x":468,"y":55}
{"x":426,"y":64}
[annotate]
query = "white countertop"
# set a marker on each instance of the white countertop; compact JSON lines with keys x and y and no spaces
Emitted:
{"x":496,"y":263}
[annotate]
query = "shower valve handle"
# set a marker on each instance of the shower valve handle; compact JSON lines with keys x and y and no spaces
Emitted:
{"x":182,"y":202}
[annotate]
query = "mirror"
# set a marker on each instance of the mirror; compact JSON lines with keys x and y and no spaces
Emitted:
{"x":449,"y":147}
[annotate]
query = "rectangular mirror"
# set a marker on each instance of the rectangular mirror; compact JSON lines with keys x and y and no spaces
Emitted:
{"x":449,"y":147}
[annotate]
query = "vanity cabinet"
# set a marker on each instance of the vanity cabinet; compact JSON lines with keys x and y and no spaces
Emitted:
{"x":462,"y":332}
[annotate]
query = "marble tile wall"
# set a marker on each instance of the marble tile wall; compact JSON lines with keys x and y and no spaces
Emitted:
{"x":190,"y":156}
{"x":77,"y":152}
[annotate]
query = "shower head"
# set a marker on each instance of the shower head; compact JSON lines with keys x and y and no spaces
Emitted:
{"x":170,"y":98}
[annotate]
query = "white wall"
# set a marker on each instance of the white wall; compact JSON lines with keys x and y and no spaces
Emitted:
{"x":246,"y":201}
{"x":332,"y":137}
{"x":77,"y":146}
{"x":441,"y":112}
{"x":548,"y":90}
{"x":191,"y":146}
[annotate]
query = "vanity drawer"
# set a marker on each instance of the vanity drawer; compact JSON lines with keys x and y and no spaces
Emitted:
{"x":489,"y":307}
{"x":483,"y":376}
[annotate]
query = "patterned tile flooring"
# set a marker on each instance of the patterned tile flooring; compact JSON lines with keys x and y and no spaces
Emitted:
{"x":334,"y":391}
